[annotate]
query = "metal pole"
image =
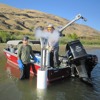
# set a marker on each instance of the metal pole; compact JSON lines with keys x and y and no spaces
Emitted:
{"x":42,"y":72}
{"x":75,"y":19}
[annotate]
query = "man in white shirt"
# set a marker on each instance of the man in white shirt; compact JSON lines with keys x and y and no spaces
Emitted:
{"x":53,"y":42}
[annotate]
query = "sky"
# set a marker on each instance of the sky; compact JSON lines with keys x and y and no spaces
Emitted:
{"x":68,"y":9}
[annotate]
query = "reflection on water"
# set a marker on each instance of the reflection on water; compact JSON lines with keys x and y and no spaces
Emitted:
{"x":95,"y":75}
{"x":96,"y":52}
{"x":11,"y":88}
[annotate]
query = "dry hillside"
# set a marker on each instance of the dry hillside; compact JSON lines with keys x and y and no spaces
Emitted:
{"x":13,"y":19}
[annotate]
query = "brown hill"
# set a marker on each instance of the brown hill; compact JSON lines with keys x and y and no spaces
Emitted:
{"x":13,"y":19}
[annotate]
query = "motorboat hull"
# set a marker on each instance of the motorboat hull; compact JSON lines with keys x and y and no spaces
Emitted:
{"x":53,"y":73}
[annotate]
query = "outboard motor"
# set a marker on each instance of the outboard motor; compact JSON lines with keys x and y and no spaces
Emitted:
{"x":77,"y":58}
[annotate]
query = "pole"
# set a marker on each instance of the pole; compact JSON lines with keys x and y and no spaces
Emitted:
{"x":42,"y":72}
{"x":79,"y":16}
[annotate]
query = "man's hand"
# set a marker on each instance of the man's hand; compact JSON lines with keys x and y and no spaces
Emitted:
{"x":36,"y":60}
{"x":20,"y":64}
{"x":50,"y":48}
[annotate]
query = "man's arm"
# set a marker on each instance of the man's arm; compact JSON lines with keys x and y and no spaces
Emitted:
{"x":31,"y":52}
{"x":34,"y":58}
{"x":19,"y":52}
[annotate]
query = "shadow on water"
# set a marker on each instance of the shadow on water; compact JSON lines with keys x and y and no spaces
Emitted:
{"x":95,"y":76}
{"x":11,"y":88}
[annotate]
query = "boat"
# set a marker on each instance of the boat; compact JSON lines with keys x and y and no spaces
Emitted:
{"x":62,"y":71}
{"x":75,"y":58}
{"x":53,"y":73}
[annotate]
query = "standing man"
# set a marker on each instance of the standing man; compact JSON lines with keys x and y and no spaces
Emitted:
{"x":24,"y":52}
{"x":53,"y":43}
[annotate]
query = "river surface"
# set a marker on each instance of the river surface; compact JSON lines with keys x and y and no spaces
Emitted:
{"x":11,"y":88}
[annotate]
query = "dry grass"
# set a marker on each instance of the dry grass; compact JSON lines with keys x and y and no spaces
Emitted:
{"x":17,"y":20}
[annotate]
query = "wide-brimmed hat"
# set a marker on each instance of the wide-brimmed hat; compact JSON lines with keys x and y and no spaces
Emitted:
{"x":50,"y":25}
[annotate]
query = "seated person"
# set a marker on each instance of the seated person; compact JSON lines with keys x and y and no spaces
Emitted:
{"x":11,"y":49}
{"x":8,"y":48}
{"x":16,"y":51}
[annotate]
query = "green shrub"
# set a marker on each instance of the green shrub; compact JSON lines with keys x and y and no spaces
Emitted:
{"x":68,"y":38}
{"x":72,"y":36}
{"x":4,"y":36}
{"x":90,"y":42}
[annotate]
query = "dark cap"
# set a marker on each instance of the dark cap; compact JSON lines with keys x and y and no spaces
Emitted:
{"x":25,"y":38}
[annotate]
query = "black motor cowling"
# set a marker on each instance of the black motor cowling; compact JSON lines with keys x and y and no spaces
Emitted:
{"x":75,"y":50}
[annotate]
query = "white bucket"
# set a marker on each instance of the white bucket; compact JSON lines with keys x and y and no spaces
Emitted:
{"x":41,"y":79}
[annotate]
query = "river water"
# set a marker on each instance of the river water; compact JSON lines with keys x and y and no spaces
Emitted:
{"x":11,"y":88}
